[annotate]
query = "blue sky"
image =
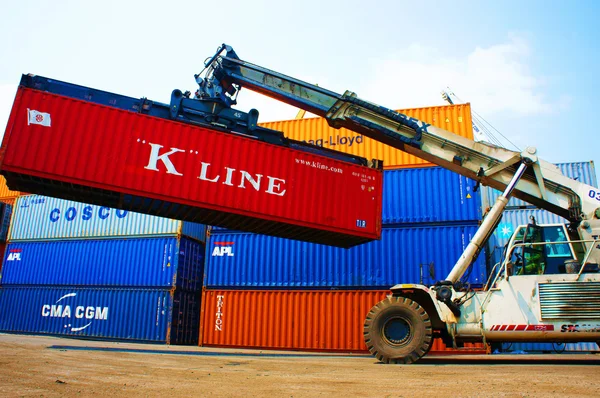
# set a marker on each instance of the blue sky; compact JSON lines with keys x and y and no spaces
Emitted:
{"x":528,"y":67}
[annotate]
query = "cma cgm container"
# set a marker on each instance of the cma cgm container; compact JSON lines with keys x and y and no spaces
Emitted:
{"x":43,"y":218}
{"x":297,"y":320}
{"x":454,"y":118}
{"x":428,"y":194}
{"x":403,"y":255}
{"x":166,"y":316}
{"x":145,"y":262}
{"x":76,"y":149}
{"x":581,"y":171}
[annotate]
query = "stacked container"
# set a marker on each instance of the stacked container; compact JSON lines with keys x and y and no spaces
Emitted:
{"x":517,"y":213}
{"x":267,"y":292}
{"x":88,"y":271}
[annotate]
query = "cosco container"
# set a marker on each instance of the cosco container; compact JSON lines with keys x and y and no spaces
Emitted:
{"x":581,"y":171}
{"x":422,"y":254}
{"x":511,"y":219}
{"x":428,"y":194}
{"x":149,"y":262}
{"x":296,"y":320}
{"x":84,"y":151}
{"x":454,"y":118}
{"x":44,"y":218}
{"x":148,"y":315}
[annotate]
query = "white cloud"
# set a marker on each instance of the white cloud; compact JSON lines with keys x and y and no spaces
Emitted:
{"x":494,"y":79}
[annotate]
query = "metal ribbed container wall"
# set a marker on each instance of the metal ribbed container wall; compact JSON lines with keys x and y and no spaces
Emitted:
{"x":428,"y":194}
{"x":297,"y":320}
{"x":144,"y":262}
{"x":454,"y":118}
{"x":129,"y":160}
{"x":147,"y":262}
{"x":124,"y":314}
{"x":511,"y":219}
{"x":43,"y":218}
{"x":550,"y":348}
{"x":249,"y":260}
{"x":5,"y":217}
{"x":581,"y":171}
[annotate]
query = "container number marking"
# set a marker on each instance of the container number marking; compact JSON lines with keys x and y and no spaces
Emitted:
{"x":361,"y":223}
{"x":594,"y":194}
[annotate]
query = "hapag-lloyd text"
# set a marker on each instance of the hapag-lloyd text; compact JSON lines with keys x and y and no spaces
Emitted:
{"x":229,"y":176}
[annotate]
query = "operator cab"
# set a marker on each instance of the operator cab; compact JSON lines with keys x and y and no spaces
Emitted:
{"x":541,"y":249}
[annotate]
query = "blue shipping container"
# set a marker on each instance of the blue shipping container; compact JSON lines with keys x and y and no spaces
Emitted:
{"x":428,"y":194}
{"x":549,"y":347}
{"x":402,"y":255}
{"x":124,"y":314}
{"x":581,"y":171}
{"x":42,"y":218}
{"x":149,"y":262}
{"x":511,"y":219}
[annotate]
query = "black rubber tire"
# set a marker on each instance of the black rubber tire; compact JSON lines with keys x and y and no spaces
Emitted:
{"x":415,"y":330}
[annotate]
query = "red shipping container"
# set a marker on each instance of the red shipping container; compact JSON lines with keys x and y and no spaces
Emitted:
{"x":319,"y":320}
{"x":73,"y":149}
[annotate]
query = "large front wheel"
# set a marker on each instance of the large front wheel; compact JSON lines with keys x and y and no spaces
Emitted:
{"x":398,"y":330}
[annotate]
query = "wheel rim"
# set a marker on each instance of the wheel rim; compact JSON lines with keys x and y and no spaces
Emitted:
{"x":397,"y":331}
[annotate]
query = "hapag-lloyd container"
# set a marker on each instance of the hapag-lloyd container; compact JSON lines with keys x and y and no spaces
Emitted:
{"x":403,"y":255}
{"x":428,"y":194}
{"x":151,"y":315}
{"x":581,"y":171}
{"x":123,"y":159}
{"x":453,"y":118}
{"x":144,"y":262}
{"x":43,"y":218}
{"x":297,"y":320}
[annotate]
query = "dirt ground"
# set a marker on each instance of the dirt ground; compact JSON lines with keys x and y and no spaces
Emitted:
{"x":48,"y":366}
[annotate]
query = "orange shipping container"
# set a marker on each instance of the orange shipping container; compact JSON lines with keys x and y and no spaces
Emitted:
{"x":6,"y":195}
{"x":454,"y":118}
{"x":293,"y":320}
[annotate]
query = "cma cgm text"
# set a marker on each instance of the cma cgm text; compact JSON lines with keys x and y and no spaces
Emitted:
{"x":228,"y":176}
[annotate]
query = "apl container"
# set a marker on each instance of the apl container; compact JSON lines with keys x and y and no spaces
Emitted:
{"x":148,"y":315}
{"x":584,"y":172}
{"x":296,"y":320}
{"x":415,"y":254}
{"x":454,"y":118}
{"x":511,"y":219}
{"x":44,"y":218}
{"x":83,"y":151}
{"x":428,"y":194}
{"x":148,"y":262}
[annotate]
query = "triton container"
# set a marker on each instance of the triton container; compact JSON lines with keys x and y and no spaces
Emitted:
{"x":145,"y":262}
{"x":297,"y":320}
{"x":414,"y":254}
{"x":165,"y":316}
{"x":454,"y":118}
{"x":44,"y":218}
{"x":80,"y":150}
